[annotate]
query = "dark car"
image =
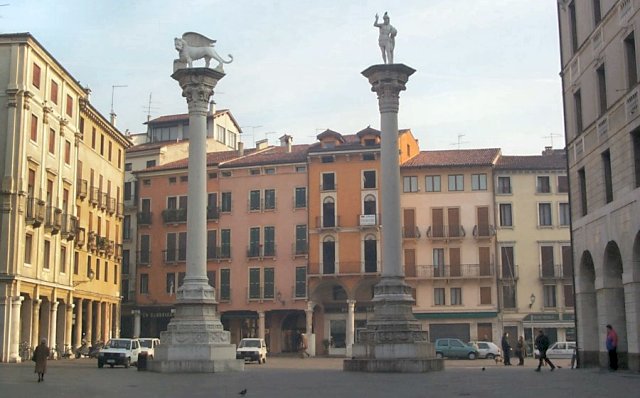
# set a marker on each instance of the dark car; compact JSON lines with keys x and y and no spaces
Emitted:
{"x":455,"y":348}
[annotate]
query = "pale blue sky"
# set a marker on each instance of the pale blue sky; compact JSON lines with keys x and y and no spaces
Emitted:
{"x":487,"y":69}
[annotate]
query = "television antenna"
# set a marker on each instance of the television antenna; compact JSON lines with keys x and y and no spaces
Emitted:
{"x":253,"y":132}
{"x":460,"y":142}
{"x":550,"y":136}
{"x":113,"y":90}
{"x":148,"y":107}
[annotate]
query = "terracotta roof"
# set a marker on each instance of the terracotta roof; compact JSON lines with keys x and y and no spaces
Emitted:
{"x":272,"y":155}
{"x":555,"y":161}
{"x":368,"y":131}
{"x":152,"y":145}
{"x":178,"y":117}
{"x":454,"y":158}
{"x":213,"y":158}
{"x":330,"y":133}
{"x":350,"y":142}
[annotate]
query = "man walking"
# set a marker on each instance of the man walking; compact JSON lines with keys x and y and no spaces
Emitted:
{"x":542,"y":344}
{"x":612,"y":348}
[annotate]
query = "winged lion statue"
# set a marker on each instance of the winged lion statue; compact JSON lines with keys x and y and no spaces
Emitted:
{"x":194,"y":46}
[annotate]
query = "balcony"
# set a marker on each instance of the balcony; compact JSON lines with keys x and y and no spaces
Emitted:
{"x":445,"y":232}
{"x":81,"y":237}
{"x":111,"y":248}
{"x":104,"y":199}
{"x":509,"y":273}
{"x":483,"y":231}
{"x":102,"y":244}
{"x":172,"y":256}
{"x":219,"y":252}
{"x":144,"y":218}
{"x":555,"y":272}
{"x":456,"y":271}
{"x":213,"y":213}
{"x":368,"y":221}
{"x":36,"y":212}
{"x":111,"y":205}
{"x":144,"y":257}
{"x":410,"y":232}
{"x":53,"y":220}
{"x":120,"y":210}
{"x":260,"y":251}
{"x":174,"y":216}
{"x":69,"y":226}
{"x":92,"y":241}
{"x":81,"y":189}
{"x":94,"y":196}
{"x":300,"y":248}
{"x":328,"y":222}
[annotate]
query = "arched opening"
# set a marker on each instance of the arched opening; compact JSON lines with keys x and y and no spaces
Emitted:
{"x":329,"y":255}
{"x":369,"y":206}
{"x":328,"y":213}
{"x":370,"y":253}
{"x":611,"y":297}
{"x":586,"y":304}
{"x":292,"y":326}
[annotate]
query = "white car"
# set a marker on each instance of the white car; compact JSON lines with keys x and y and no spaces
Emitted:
{"x":561,"y":349}
{"x":487,"y":349}
{"x":119,"y":352}
{"x":148,"y":345}
{"x":252,"y":349}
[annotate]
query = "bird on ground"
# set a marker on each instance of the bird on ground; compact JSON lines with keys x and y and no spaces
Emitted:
{"x":243,"y":392}
{"x":483,"y":369}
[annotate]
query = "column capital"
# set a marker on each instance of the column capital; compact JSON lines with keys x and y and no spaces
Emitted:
{"x":310,"y":306}
{"x":54,"y":305}
{"x":261,"y":314}
{"x":351,"y":303}
{"x":18,"y":299}
{"x":197,"y":87}
{"x":387,"y":80}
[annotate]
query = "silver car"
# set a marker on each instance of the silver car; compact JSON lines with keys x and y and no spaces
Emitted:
{"x":486,"y":349}
{"x":561,"y":349}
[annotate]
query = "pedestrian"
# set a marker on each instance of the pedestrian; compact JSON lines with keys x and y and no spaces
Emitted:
{"x":542,"y":344}
{"x":521,"y":351}
{"x":40,"y":356}
{"x":506,"y":349}
{"x":612,"y":348}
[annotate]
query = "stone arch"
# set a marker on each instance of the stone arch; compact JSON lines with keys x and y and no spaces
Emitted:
{"x":611,"y":305}
{"x":369,"y":205}
{"x":635,"y":269}
{"x":586,"y":302}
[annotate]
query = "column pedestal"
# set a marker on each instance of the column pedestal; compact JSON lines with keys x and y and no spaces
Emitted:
{"x":393,"y":340}
{"x":195,"y":340}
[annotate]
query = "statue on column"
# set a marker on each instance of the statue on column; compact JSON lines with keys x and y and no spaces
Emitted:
{"x":387,"y":38}
{"x":194,"y":46}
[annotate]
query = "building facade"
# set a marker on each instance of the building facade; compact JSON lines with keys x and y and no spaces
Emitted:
{"x":602,"y":130}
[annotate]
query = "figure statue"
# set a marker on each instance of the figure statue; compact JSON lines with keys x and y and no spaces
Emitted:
{"x":194,"y":46}
{"x":387,"y":39}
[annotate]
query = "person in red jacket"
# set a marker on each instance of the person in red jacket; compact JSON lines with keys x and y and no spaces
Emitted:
{"x":612,"y":347}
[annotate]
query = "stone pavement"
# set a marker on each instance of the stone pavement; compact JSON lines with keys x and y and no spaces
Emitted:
{"x":316,"y":377}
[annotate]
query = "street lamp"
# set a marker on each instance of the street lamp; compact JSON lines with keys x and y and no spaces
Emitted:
{"x":91,"y":275}
{"x":532,"y":300}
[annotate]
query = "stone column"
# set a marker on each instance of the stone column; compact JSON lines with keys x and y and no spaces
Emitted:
{"x":351,"y":304}
{"x":88,"y":324}
{"x":35,"y":322}
{"x":393,"y":340}
{"x":311,"y":337}
{"x":98,"y":336}
{"x":53,"y":328}
{"x":68,"y":325}
{"x":78,"y":340}
{"x":261,"y":331}
{"x":136,"y":323}
{"x":195,"y":340}
{"x":14,"y":347}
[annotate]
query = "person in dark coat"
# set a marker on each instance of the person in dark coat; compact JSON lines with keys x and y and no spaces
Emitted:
{"x":40,"y":356}
{"x":542,"y":344}
{"x":520,"y":351}
{"x":506,"y":349}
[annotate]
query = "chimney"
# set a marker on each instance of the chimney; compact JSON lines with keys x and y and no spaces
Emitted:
{"x":113,"y":119}
{"x":240,"y":148}
{"x":286,"y":140}
{"x":548,"y":150}
{"x":212,"y":107}
{"x":262,"y":144}
{"x":88,"y":91}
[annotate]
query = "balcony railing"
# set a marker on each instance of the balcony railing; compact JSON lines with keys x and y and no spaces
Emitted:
{"x":81,"y":189}
{"x":111,"y":248}
{"x":213,"y":213}
{"x":328,"y":187}
{"x":554,"y":272}
{"x":509,"y":272}
{"x":328,"y":222}
{"x":111,"y":205}
{"x":36,"y":211}
{"x":69,"y":226}
{"x":104,"y":199}
{"x":144,"y":218}
{"x":170,"y":216}
{"x":366,"y":267}
{"x":53,"y":220}
{"x":144,"y":257}
{"x":483,"y":231}
{"x":102,"y":244}
{"x":94,"y":196}
{"x":300,"y":248}
{"x":81,"y":237}
{"x":436,"y":232}
{"x":260,"y":251}
{"x":410,"y":232}
{"x":461,"y":271}
{"x":368,"y":220}
{"x":92,"y":241}
{"x":172,"y":256}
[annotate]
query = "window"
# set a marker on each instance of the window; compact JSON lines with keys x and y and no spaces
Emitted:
{"x":225,"y":202}
{"x":506,"y":215}
{"x":254,"y":172}
{"x":478,"y":182}
{"x":126,"y":261}
{"x":211,"y":278}
{"x":69,"y":106}
{"x":547,"y":267}
{"x":225,"y":243}
{"x":630,"y":53}
{"x":52,"y":141}
{"x":544,"y":214}
{"x":550,"y":296}
{"x":269,"y":199}
{"x":410,"y":184}
{"x":67,"y":152}
{"x":485,"y":294}
{"x":101,"y":144}
{"x":226,"y":174}
{"x":301,"y":239}
{"x":369,"y":179}
{"x":432,"y":183}
{"x":438,"y":296}
{"x":268,"y":290}
{"x":106,"y":271}
{"x":438,"y":262}
{"x":270,"y":170}
{"x":46,"y":260}
{"x":542,"y":184}
{"x":97,"y":274}
{"x":301,"y":169}
{"x":328,"y":256}
{"x":368,"y":156}
{"x":184,"y":178}
{"x":456,"y":182}
{"x":269,"y":248}
{"x":370,"y":254}
{"x":34,"y":128}
{"x":76,"y":263}
{"x":301,"y":198}
{"x":328,"y":181}
{"x":89,"y":270}
{"x":54,"y":92}
{"x":128,"y":167}
{"x":109,"y":151}
{"x":225,"y":284}
{"x":573,"y":26}
{"x":171,"y":283}
{"x":602,"y":90}
{"x":151,"y":163}
{"x":301,"y":282}
{"x":28,"y":247}
{"x":254,"y":200}
{"x":212,"y":243}
{"x":35,"y":77}
{"x":63,"y":259}
{"x":577,"y":104}
{"x":254,"y":283}
{"x":608,"y":183}
{"x":636,"y":155}
{"x":146,"y":182}
{"x":93,"y":138}
{"x":172,"y":180}
{"x":564,"y":214}
{"x":582,"y":181}
{"x":597,"y":13}
{"x":127,"y":190}
{"x":509,"y":296}
{"x":327,"y":159}
{"x":568,"y":296}
{"x":144,"y":283}
{"x":563,"y":184}
{"x":456,"y":295}
{"x":504,"y":185}
{"x":508,"y":269}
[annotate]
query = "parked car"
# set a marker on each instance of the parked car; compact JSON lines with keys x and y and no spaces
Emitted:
{"x":487,"y":349}
{"x":119,"y":352}
{"x":455,"y":348}
{"x":148,"y":345}
{"x":252,"y":349}
{"x":561,"y":349}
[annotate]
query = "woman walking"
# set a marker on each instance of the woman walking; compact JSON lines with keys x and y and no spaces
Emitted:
{"x":40,"y":356}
